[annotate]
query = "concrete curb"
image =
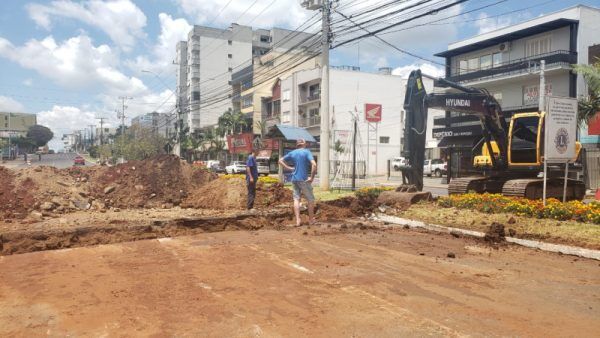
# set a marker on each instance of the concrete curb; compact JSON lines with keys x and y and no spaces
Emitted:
{"x":557,"y":248}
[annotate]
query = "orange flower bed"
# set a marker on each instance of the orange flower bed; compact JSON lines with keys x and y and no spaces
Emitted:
{"x":554,"y":209}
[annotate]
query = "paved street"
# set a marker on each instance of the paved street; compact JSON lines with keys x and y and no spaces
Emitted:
{"x":62,"y":160}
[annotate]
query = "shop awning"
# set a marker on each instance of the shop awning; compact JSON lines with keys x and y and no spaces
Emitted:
{"x":458,"y":142}
{"x":289,"y":133}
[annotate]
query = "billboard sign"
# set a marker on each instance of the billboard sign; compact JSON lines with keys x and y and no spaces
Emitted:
{"x":561,"y":129}
{"x":373,"y":112}
{"x":240,"y":143}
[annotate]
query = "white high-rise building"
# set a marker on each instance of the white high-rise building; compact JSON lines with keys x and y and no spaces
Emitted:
{"x":210,"y":56}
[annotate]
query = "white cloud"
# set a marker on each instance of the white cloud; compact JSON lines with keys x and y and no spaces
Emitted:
{"x":74,"y":63}
{"x":63,"y":119}
{"x":8,"y":104}
{"x":486,"y":24}
{"x":121,"y":20}
{"x":282,"y":13}
{"x":163,"y":52}
{"x":28,"y":82}
{"x":426,"y":68}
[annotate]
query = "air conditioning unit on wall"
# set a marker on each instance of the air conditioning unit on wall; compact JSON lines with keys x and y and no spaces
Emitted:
{"x":505,"y":46}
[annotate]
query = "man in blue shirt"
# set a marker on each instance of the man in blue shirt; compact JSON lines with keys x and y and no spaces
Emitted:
{"x":301,"y":160}
{"x":251,"y":178}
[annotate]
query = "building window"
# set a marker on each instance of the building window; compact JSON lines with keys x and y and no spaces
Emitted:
{"x":285,"y":95}
{"x":497,"y":59}
{"x":230,"y":69}
{"x":463,"y":67}
{"x":230,"y":56}
{"x":538,"y":46}
{"x":285,"y":117}
{"x":384,"y":139}
{"x":265,"y":38}
{"x":485,"y":61}
{"x":229,"y":42}
{"x":473,"y":64}
{"x":195,"y":96}
{"x":247,"y":101}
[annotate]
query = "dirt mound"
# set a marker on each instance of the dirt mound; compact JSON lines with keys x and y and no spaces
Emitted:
{"x":15,"y":199}
{"x":160,"y":181}
{"x":232,"y":193}
{"x":340,"y":209}
{"x":495,"y":234}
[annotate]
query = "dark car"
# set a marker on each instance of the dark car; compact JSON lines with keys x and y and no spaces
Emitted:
{"x":78,"y":160}
{"x":217,"y":168}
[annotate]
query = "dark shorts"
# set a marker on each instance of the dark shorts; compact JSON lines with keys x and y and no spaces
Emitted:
{"x":303,"y":188}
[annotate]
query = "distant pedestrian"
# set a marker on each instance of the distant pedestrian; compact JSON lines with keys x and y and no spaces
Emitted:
{"x":301,"y":161}
{"x":251,"y":178}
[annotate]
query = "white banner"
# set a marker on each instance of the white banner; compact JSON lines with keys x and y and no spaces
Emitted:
{"x":561,"y":129}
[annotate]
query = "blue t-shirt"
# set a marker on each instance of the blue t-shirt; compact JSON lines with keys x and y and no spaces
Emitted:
{"x":251,"y":163}
{"x":300,"y":160}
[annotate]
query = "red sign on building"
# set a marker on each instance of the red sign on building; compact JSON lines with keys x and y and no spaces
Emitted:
{"x":240,"y":143}
{"x":594,"y":125}
{"x":373,"y":112}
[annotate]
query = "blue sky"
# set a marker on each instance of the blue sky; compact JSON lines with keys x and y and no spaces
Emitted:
{"x":69,"y":61}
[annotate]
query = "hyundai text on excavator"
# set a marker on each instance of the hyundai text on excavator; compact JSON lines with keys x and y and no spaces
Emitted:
{"x":509,"y":156}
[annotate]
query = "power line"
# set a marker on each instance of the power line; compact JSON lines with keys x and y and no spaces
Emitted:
{"x":372,"y":33}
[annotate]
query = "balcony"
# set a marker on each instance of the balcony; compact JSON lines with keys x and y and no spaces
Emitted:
{"x":555,"y":59}
{"x":272,"y":121}
{"x":308,"y":122}
{"x":315,"y":97}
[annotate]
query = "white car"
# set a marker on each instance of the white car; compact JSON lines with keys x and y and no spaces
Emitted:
{"x":262,"y":165}
{"x":237,"y":167}
{"x":434,"y":167}
{"x":397,"y":163}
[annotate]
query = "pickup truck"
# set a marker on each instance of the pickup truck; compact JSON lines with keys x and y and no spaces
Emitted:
{"x":435,"y":168}
{"x":237,"y":167}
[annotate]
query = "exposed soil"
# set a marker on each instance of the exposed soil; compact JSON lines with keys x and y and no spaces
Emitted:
{"x":317,"y":282}
{"x":228,"y":194}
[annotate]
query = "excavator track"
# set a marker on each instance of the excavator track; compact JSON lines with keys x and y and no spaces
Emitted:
{"x":476,"y":184}
{"x":533,"y":188}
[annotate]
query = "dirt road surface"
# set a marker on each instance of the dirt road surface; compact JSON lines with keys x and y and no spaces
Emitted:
{"x":305,"y":282}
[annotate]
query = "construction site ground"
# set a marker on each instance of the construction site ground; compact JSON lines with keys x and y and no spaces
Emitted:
{"x":337,"y":279}
{"x":159,"y":248}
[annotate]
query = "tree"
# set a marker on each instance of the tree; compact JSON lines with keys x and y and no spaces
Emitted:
{"x":589,"y":105}
{"x":262,"y":126}
{"x":138,"y":143}
{"x":39,"y":135}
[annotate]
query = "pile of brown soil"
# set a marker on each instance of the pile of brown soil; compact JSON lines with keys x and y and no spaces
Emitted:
{"x":164,"y":180}
{"x":232,"y":194}
{"x":339,"y":209}
{"x":15,"y":200}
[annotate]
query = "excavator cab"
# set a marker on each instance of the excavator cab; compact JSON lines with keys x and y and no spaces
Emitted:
{"x":525,"y":141}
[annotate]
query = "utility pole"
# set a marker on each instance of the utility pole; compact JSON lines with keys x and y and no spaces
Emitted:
{"x":91,"y":134}
{"x":354,"y":153}
{"x":542,"y":90}
{"x":121,"y":115}
{"x":101,"y":129}
{"x":325,"y":7}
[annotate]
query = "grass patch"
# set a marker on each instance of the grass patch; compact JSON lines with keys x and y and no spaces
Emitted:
{"x":562,"y":232}
{"x":330,"y":195}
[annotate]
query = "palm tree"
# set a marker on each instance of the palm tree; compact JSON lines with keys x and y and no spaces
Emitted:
{"x":238,"y":119}
{"x":262,"y":126}
{"x":589,"y":106}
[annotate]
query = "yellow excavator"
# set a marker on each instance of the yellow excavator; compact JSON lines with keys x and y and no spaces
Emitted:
{"x":509,"y":155}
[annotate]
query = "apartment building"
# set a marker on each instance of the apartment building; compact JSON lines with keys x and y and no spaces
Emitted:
{"x":16,"y":124}
{"x":207,"y":61}
{"x":506,"y":63}
{"x":253,"y":86}
{"x":160,"y":123}
{"x":350,"y":91}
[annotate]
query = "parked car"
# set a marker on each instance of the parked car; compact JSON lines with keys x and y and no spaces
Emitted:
{"x":397,"y":163}
{"x":435,"y":168}
{"x":216,"y":168}
{"x":263,"y":165}
{"x":78,"y":160}
{"x":236,"y":167}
